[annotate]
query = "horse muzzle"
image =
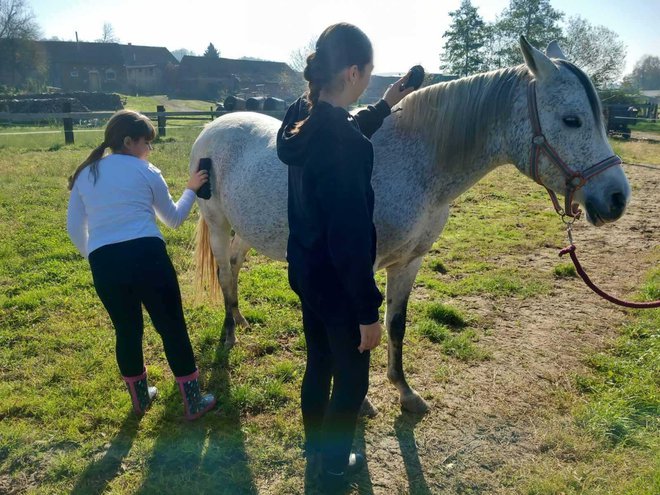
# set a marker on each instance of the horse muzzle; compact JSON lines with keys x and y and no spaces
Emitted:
{"x":606,"y":210}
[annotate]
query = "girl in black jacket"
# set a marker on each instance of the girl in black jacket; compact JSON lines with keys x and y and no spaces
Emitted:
{"x":332,"y":239}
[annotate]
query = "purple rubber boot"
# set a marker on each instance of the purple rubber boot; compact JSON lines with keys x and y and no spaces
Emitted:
{"x":195,"y":404}
{"x":142,"y":395}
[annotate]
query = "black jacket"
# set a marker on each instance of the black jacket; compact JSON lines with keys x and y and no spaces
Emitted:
{"x":332,"y":238}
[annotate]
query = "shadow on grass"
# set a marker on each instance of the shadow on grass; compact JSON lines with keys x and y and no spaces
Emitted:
{"x":404,"y":426}
{"x":204,"y":456}
{"x":360,"y":483}
{"x":99,"y":474}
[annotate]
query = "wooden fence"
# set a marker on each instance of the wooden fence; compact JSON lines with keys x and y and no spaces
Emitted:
{"x":67,"y":118}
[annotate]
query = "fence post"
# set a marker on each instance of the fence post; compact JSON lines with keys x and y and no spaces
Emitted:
{"x":68,"y":124}
{"x":161,"y":121}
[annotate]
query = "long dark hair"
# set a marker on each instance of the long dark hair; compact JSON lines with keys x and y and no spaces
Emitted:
{"x":339,"y":46}
{"x":122,"y":124}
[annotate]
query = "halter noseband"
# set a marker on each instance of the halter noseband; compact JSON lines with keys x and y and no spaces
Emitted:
{"x":574,"y":179}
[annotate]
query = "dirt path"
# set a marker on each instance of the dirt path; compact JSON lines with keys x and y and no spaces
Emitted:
{"x":485,"y":417}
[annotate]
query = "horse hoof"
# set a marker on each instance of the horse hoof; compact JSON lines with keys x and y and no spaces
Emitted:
{"x":242,"y":323}
{"x":414,"y":403}
{"x":368,"y":410}
{"x":230,"y":342}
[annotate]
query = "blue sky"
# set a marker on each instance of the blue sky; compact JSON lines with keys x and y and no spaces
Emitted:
{"x":403,"y":32}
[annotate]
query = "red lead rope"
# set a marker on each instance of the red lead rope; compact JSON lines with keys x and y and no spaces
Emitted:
{"x":628,"y":304}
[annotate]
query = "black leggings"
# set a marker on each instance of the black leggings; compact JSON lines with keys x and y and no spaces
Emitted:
{"x":129,"y":274}
{"x":329,"y":420}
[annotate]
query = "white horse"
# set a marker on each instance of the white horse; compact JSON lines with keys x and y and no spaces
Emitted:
{"x":442,"y":141}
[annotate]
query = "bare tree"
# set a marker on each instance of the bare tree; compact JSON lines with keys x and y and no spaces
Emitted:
{"x":17,"y":20}
{"x":298,"y":57}
{"x":595,"y":49}
{"x":179,"y":53}
{"x":108,"y":34}
{"x":23,"y":62}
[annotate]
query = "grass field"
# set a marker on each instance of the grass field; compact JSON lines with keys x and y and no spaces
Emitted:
{"x":67,"y":425}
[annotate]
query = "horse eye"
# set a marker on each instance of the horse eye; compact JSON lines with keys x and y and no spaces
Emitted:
{"x":572,"y":121}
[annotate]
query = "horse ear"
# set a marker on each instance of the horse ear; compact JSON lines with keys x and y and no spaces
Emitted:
{"x":554,"y":51}
{"x":538,"y":64}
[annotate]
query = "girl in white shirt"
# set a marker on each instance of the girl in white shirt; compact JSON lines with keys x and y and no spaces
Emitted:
{"x":111,"y":219}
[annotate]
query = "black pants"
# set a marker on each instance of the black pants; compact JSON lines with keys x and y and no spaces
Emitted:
{"x":332,"y":354}
{"x":129,"y":274}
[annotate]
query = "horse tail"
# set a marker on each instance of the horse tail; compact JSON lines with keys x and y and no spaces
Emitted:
{"x":206,"y":268}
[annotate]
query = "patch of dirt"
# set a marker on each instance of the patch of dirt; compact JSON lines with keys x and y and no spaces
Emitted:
{"x":486,"y":416}
{"x":646,"y":136}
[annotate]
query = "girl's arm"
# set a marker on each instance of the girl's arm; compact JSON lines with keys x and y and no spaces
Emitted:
{"x":342,"y":190}
{"x":170,"y":213}
{"x":371,"y":118}
{"x":76,"y":222}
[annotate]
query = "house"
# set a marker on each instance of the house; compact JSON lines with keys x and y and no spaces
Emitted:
{"x":149,"y":69}
{"x":82,"y":66}
{"x":213,"y":78}
{"x":107,"y":67}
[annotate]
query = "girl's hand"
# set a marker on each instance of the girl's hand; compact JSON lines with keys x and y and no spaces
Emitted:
{"x":198,"y":179}
{"x":394,"y":95}
{"x":370,"y":336}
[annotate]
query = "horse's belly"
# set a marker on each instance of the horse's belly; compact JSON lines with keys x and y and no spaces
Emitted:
{"x":255,"y":203}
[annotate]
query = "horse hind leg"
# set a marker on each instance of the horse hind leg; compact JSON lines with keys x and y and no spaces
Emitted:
{"x":400,"y":279}
{"x":238,"y":251}
{"x":220,"y":240}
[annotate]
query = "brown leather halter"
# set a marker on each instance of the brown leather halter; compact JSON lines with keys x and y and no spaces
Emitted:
{"x":574,"y":179}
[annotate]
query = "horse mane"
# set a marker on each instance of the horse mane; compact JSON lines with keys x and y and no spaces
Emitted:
{"x":456,"y":116}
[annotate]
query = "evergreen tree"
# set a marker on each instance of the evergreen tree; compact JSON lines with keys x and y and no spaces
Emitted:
{"x":211,"y":51}
{"x":463,"y":50}
{"x":535,"y":19}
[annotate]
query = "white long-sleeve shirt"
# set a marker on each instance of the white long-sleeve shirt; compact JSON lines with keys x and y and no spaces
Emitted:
{"x":123,"y":204}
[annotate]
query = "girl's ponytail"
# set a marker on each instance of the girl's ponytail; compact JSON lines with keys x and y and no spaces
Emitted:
{"x":93,"y":159}
{"x":339,"y":46}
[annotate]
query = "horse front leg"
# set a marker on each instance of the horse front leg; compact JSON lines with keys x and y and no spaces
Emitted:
{"x":400,"y":279}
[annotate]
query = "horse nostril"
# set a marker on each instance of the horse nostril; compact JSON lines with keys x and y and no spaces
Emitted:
{"x":618,"y":204}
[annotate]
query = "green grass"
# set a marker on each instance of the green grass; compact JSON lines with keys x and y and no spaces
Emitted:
{"x":564,"y":270}
{"x":66,"y":423}
{"x":613,"y":444}
{"x":646,"y":127}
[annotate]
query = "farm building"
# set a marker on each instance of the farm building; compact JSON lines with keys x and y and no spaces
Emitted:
{"x":83,"y":66}
{"x":215,"y":77}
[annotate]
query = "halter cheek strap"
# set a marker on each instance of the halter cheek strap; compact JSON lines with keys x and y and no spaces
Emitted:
{"x":574,"y":179}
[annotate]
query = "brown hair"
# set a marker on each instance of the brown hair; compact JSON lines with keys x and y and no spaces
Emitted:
{"x":122,"y":124}
{"x":339,"y":46}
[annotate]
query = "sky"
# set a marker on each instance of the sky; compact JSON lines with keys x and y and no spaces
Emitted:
{"x":403,"y":32}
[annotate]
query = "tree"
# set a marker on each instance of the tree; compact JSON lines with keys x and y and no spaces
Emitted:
{"x":645,"y":74}
{"x":466,"y":36}
{"x":23,"y":63}
{"x":597,"y":50}
{"x":535,"y":19}
{"x":211,"y":51}
{"x":17,"y":21}
{"x":298,"y":57}
{"x":181,"y":52}
{"x":108,"y":34}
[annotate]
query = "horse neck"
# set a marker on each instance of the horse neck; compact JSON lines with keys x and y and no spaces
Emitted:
{"x":471,"y":125}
